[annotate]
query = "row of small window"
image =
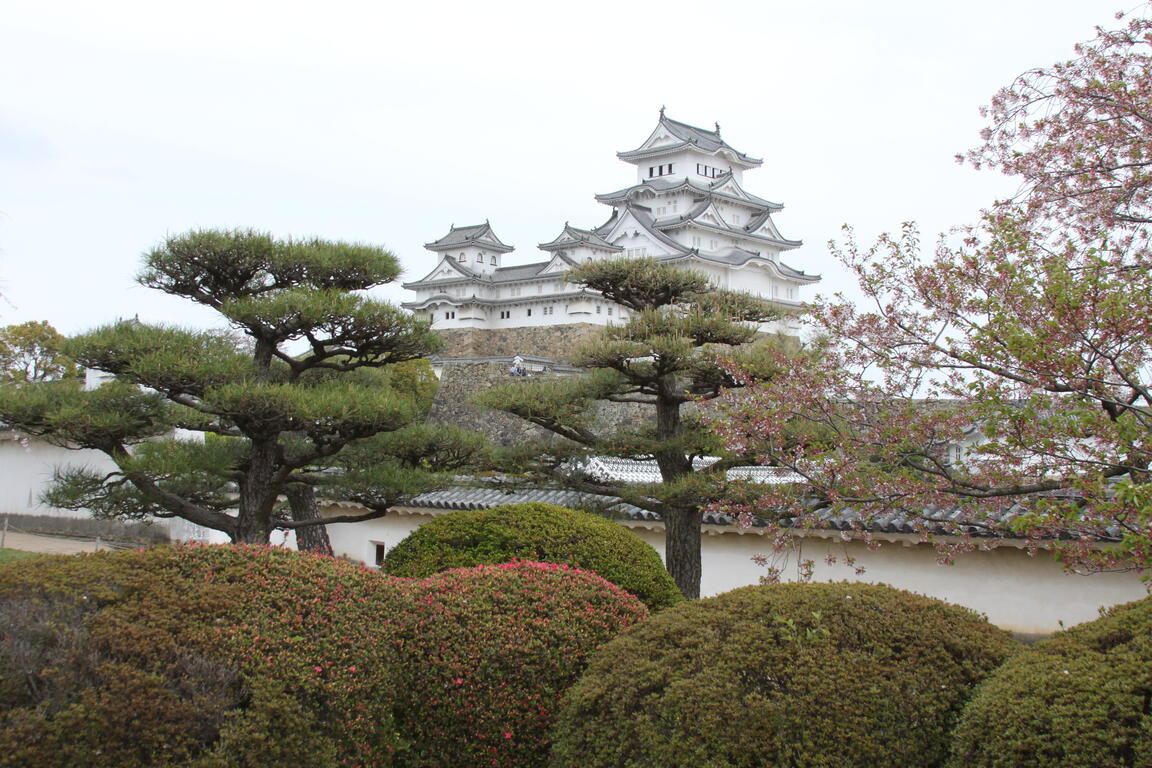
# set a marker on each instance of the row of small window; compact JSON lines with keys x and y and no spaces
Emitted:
{"x":666,"y":170}
{"x":463,"y":259}
{"x":506,"y":314}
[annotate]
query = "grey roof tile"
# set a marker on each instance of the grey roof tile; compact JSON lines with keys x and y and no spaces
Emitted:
{"x":929,"y":521}
{"x":474,"y":234}
{"x":575,"y":236}
{"x":690,"y":135}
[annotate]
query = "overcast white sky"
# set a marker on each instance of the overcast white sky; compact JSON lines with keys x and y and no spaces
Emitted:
{"x":383,"y":122}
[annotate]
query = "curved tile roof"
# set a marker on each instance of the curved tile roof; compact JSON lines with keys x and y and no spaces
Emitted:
{"x":689,"y":136}
{"x":476,"y":234}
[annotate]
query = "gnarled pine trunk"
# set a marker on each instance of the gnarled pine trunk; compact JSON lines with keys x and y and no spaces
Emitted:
{"x":310,"y":538}
{"x":682,"y":549}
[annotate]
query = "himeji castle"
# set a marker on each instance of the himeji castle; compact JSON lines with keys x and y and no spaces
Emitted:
{"x":687,"y":207}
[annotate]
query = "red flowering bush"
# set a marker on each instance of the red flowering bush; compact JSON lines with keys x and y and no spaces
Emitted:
{"x":540,"y":532}
{"x":488,"y":653}
{"x":803,"y":675}
{"x":195,"y":656}
{"x":1080,"y":698}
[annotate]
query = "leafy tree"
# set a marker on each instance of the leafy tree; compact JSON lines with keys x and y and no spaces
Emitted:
{"x":662,"y":360}
{"x":1013,"y":366}
{"x":287,"y":397}
{"x":31,"y":352}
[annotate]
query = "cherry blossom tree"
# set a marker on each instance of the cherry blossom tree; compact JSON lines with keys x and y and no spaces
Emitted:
{"x":1002,"y":384}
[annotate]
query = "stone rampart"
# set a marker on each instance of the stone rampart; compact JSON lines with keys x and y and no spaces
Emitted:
{"x":556,"y":342}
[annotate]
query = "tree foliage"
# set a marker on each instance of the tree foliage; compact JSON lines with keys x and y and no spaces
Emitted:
{"x":1014,"y":365}
{"x":33,"y":352}
{"x":308,"y":373}
{"x":663,"y":359}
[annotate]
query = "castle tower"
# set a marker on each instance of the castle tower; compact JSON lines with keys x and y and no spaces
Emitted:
{"x":688,"y":206}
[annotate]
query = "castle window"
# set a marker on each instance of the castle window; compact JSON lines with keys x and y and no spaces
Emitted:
{"x":651,"y":171}
{"x":479,"y":258}
{"x":597,"y":309}
{"x":505,"y":314}
{"x":449,"y":315}
{"x":493,"y":259}
{"x":529,"y":312}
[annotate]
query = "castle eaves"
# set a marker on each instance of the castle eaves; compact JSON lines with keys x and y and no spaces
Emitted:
{"x":574,"y":237}
{"x":690,"y":137}
{"x":480,"y":235}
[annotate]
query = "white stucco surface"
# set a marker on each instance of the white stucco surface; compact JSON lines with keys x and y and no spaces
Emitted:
{"x":1023,"y":594}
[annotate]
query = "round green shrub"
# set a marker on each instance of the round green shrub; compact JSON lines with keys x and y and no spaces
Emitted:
{"x":488,"y":652}
{"x":1080,"y":698}
{"x":539,"y":532}
{"x":195,"y":656}
{"x":829,"y":675}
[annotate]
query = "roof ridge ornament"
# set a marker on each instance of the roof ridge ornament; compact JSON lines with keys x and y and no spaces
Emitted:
{"x":661,"y":111}
{"x":717,"y":129}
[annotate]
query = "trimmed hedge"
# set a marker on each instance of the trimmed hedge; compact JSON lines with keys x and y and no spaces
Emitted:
{"x":1080,"y":698}
{"x":492,"y":650}
{"x":829,"y":675}
{"x":195,"y":656}
{"x":539,"y":532}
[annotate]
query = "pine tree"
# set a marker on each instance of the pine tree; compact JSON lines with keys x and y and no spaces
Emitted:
{"x":666,"y":357}
{"x":283,"y":401}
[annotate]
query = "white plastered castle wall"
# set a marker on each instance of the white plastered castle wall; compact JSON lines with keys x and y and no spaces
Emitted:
{"x":1020,"y":593}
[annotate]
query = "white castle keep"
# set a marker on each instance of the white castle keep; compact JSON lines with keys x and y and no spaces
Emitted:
{"x":688,"y":207}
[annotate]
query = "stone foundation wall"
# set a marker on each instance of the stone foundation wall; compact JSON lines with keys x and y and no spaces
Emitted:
{"x":556,"y":342}
{"x":460,"y":382}
{"x":114,"y":530}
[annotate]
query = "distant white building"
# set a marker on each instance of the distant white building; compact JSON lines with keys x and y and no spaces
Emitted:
{"x":688,"y":207}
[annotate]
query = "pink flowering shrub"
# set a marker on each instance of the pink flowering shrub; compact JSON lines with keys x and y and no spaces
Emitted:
{"x":195,"y":656}
{"x":802,"y":675}
{"x":1080,"y":698}
{"x":488,"y":653}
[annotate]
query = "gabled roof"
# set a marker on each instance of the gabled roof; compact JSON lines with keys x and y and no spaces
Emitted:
{"x":716,"y":189}
{"x":573,"y":237}
{"x":498,"y":275}
{"x":446,"y":269}
{"x":684,"y":136}
{"x":696,"y":216}
{"x":480,"y":235}
{"x":719,"y":186}
{"x":736,"y":257}
{"x":560,"y":264}
{"x":643,"y":218}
